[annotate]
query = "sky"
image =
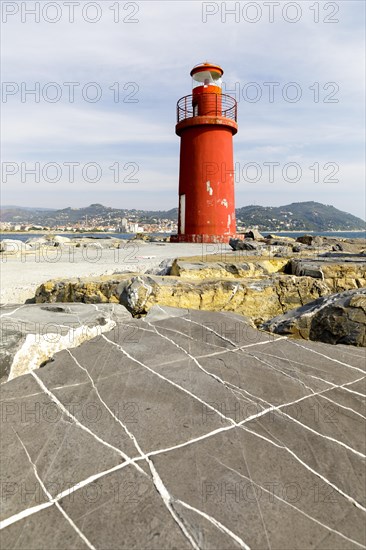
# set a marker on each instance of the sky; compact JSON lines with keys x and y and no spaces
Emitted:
{"x":99,"y":126}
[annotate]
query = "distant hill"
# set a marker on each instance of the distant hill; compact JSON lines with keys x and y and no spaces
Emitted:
{"x":14,"y":207}
{"x":98,"y":212}
{"x":308,"y":216}
{"x":298,"y":216}
{"x":19,"y":214}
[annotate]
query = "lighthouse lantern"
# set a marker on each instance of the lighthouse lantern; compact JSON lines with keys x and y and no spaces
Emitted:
{"x":206,"y":74}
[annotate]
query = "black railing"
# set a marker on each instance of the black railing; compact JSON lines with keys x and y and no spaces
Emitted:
{"x":207,"y":105}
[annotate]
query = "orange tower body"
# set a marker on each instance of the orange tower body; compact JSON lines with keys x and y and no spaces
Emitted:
{"x":206,"y":123}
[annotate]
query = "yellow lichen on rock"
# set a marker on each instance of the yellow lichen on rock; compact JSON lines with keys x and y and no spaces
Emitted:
{"x":259,"y":288}
{"x":238,"y":269}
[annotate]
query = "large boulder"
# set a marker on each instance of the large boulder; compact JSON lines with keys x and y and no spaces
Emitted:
{"x":13,"y":246}
{"x":338,"y":275}
{"x":310,"y":240}
{"x":254,"y":234}
{"x":247,"y":244}
{"x":271,"y":236}
{"x":36,"y":242}
{"x":96,"y":242}
{"x":336,"y":319}
{"x":61,"y":240}
{"x":348,"y":246}
{"x":304,"y":268}
{"x":32,"y":333}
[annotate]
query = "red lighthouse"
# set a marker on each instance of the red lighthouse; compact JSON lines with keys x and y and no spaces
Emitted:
{"x":206,"y":123}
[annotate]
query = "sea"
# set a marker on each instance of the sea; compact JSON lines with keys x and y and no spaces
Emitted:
{"x":125,"y":236}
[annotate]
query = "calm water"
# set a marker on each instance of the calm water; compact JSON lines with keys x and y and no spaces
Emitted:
{"x":342,"y":234}
{"x":25,"y":237}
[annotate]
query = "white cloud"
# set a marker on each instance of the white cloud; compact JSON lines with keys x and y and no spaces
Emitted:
{"x":157,"y":53}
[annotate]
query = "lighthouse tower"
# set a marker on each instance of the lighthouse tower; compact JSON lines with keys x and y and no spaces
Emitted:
{"x":206,"y":123}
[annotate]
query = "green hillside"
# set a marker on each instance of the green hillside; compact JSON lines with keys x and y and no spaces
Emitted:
{"x":308,"y":216}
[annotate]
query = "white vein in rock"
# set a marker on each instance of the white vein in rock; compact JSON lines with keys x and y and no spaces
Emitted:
{"x":160,"y":487}
{"x":345,"y":495}
{"x":34,"y":509}
{"x":362,"y":455}
{"x":49,"y":496}
{"x":216,"y":523}
{"x":181,"y":388}
{"x":326,"y":356}
{"x":74,"y":419}
{"x":342,"y":406}
{"x":272,"y":407}
{"x":291,"y":505}
{"x":214,"y":376}
{"x":213,"y":331}
{"x":333,"y":386}
{"x":176,"y":332}
{"x":356,"y":392}
{"x":107,"y":408}
{"x":254,"y":417}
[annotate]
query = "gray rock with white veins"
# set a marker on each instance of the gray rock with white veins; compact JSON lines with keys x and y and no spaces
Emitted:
{"x":186,"y":429}
{"x":32,"y":333}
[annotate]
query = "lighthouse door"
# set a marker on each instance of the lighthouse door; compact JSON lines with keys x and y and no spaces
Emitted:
{"x":182,"y":208}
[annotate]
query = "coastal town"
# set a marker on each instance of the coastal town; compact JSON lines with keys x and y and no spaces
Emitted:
{"x":306,"y":216}
{"x":123,"y":225}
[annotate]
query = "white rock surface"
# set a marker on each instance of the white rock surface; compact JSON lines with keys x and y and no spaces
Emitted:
{"x":32,"y":333}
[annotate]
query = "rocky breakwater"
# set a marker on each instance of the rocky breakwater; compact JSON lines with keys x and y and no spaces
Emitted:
{"x":257,"y":298}
{"x":335,"y":319}
{"x":339,"y":272}
{"x":50,"y":241}
{"x":260,"y":287}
